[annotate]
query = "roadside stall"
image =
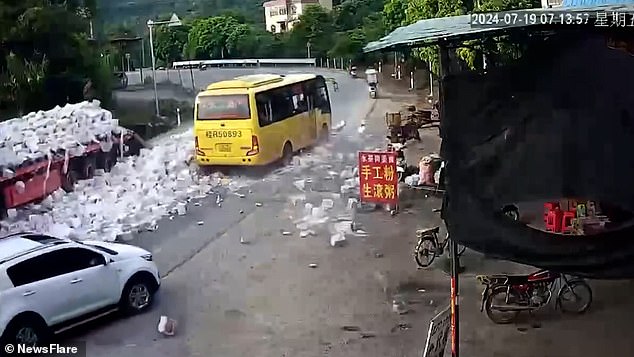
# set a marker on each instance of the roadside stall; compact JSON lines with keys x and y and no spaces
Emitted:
{"x":511,"y":135}
{"x":582,"y":217}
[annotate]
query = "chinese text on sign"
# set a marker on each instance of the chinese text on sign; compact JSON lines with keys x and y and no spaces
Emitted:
{"x":378,"y":178}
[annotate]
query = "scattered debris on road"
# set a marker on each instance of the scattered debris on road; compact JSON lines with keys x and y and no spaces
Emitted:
{"x":167,"y":326}
{"x":337,"y":240}
{"x":300,"y":184}
{"x":401,"y":326}
{"x":368,"y":335}
{"x":399,"y":307}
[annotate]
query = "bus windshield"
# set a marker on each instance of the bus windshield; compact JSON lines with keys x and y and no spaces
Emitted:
{"x":217,"y":107}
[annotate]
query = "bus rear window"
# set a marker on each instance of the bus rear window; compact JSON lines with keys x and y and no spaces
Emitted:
{"x":218,"y":107}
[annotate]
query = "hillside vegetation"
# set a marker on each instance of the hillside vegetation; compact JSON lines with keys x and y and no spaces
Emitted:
{"x":220,"y":29}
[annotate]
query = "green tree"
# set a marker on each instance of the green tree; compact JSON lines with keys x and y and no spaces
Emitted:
{"x":208,"y":37}
{"x":316,"y":27}
{"x":349,"y":44}
{"x":350,"y":14}
{"x":170,"y":42}
{"x":428,"y":9}
{"x":45,"y":52}
{"x":225,"y":37}
{"x":21,"y":79}
{"x":394,"y":14}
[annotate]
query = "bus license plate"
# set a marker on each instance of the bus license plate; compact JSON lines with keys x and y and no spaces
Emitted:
{"x":224,"y":147}
{"x":211,"y":134}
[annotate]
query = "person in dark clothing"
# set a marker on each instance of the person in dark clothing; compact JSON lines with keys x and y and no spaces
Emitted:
{"x":89,"y":91}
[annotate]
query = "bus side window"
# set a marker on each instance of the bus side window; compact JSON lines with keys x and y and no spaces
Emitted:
{"x":299,"y":103}
{"x":322,"y":101}
{"x":309,"y":93}
{"x":281,"y":104}
{"x":264,"y":110}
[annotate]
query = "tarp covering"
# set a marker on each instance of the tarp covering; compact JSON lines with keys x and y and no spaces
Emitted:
{"x":560,"y":124}
{"x":458,"y":28}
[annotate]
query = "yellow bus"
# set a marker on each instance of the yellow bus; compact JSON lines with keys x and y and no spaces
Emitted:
{"x":261,"y":118}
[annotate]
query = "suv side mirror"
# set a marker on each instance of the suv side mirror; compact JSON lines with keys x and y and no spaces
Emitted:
{"x":106,"y":260}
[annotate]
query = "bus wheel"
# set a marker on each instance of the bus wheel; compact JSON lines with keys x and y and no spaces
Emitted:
{"x":287,"y":154}
{"x":69,"y":180}
{"x":107,"y":161}
{"x":3,"y":209}
{"x":88,"y":168}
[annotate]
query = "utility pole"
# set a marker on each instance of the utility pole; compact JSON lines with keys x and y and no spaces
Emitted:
{"x":173,"y":21}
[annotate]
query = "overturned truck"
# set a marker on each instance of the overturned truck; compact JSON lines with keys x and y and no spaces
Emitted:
{"x":48,"y":150}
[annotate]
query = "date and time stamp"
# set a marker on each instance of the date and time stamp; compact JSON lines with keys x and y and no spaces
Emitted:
{"x":537,"y":18}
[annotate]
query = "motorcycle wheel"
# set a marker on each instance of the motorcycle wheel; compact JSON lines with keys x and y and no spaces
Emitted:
{"x":499,"y":293}
{"x":425,"y":251}
{"x":579,"y":293}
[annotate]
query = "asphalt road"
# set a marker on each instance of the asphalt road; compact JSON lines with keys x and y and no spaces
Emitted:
{"x":233,"y":299}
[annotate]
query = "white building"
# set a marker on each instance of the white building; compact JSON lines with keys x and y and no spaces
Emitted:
{"x":552,"y":3}
{"x":281,"y":15}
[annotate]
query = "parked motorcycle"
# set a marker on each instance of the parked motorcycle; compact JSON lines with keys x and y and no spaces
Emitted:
{"x":505,"y":296}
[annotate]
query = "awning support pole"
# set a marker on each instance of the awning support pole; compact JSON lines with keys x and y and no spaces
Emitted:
{"x":453,"y":248}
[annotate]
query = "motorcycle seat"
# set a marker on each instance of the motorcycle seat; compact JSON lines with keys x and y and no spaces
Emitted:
{"x":422,"y":232}
{"x":512,"y":279}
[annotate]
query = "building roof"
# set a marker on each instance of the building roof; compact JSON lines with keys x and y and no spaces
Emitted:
{"x":457,"y":28}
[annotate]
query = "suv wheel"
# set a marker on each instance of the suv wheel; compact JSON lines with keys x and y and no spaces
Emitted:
{"x":137,"y":296}
{"x":26,"y":331}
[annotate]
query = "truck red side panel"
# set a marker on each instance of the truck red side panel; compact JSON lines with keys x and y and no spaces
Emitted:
{"x":34,"y":189}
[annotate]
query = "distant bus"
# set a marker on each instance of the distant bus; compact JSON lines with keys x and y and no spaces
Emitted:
{"x":261,"y":118}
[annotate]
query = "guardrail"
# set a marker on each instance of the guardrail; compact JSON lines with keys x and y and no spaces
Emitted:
{"x":246,"y":62}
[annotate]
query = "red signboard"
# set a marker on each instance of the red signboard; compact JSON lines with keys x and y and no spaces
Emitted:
{"x":378,"y":177}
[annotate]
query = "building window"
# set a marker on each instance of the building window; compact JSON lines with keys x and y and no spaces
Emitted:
{"x":275,"y":11}
{"x":282,"y":26}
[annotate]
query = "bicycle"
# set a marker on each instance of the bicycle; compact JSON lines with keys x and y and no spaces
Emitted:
{"x":428,"y":246}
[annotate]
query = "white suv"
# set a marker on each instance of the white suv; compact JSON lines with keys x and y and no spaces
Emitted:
{"x":50,"y":284}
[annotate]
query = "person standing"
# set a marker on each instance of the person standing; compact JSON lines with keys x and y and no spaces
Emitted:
{"x":89,"y":91}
